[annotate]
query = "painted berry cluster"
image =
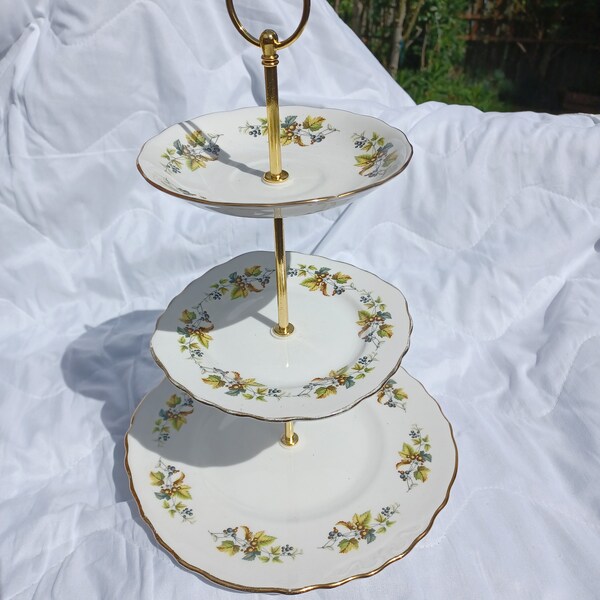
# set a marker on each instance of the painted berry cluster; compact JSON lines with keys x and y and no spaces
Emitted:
{"x":414,"y":455}
{"x":306,"y":133}
{"x":172,"y":490}
{"x":251,"y":546}
{"x":196,"y":327}
{"x":174,"y":415}
{"x":377,"y":156}
{"x":347,"y":535}
{"x":198,"y":149}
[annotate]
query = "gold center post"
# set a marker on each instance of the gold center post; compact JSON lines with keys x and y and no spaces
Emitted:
{"x":268,"y":45}
{"x":289,"y":438}
{"x":283,"y":327}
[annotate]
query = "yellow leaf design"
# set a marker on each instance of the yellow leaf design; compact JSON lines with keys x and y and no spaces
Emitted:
{"x":313,"y":123}
{"x":156,"y":478}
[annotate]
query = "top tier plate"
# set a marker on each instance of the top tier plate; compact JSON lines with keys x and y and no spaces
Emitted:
{"x":218,"y":160}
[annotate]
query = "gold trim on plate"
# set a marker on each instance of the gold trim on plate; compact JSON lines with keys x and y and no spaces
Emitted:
{"x":286,"y":417}
{"x":275,"y":205}
{"x":292,"y":591}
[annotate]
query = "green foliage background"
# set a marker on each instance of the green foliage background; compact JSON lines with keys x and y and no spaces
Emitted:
{"x":431,"y":65}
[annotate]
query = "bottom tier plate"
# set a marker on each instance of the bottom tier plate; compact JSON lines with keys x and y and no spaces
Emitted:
{"x":228,"y":501}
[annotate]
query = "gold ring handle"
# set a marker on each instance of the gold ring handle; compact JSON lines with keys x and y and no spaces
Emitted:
{"x":278,"y":45}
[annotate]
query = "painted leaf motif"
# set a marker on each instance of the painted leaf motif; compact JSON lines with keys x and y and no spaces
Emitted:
{"x":214,"y":381}
{"x":228,"y":547}
{"x":195,"y":138}
{"x":183,"y":491}
{"x":346,"y":546}
{"x":178,"y":420}
{"x":253,"y":271}
{"x":371,"y":537}
{"x":407,"y":450}
{"x":174,"y":400}
{"x":400,"y":394}
{"x":203,"y":337}
{"x":422,"y":473}
{"x":364,"y":159}
{"x":195,"y":163}
{"x":341,"y":278}
{"x":239,"y":292}
{"x":323,"y":392}
{"x":313,"y":123}
{"x":385,"y":331}
{"x":313,"y":284}
{"x":298,"y":140}
{"x":364,"y":320}
{"x":363,"y":317}
{"x":339,"y":373}
{"x":187,"y":316}
{"x":262,"y":539}
{"x":362,"y":520}
{"x":156,"y":478}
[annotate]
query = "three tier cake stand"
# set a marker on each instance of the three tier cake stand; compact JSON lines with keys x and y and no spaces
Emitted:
{"x":330,"y":500}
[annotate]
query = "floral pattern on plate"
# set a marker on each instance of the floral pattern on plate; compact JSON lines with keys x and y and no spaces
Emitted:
{"x":245,"y":493}
{"x":172,"y":490}
{"x":414,"y":455}
{"x":393,"y":396}
{"x":373,"y":321}
{"x":174,"y":415}
{"x":200,"y":148}
{"x":377,"y":157}
{"x":347,"y":535}
{"x":310,"y":131}
{"x":252,"y":545}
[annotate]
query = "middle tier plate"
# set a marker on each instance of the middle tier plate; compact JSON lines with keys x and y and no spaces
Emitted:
{"x":214,"y":341}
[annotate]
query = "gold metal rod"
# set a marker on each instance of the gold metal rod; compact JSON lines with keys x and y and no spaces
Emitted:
{"x":283,"y":327}
{"x":268,"y":44}
{"x":289,"y":438}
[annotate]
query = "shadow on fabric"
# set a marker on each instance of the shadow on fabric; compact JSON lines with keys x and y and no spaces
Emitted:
{"x":112,"y":363}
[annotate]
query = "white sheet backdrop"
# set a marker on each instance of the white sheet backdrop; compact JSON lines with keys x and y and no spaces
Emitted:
{"x":493,"y":234}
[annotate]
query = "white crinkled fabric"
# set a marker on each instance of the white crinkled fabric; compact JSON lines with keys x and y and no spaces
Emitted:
{"x":492,"y":233}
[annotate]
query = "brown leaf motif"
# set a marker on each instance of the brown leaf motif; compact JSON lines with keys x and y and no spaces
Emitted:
{"x":346,"y":536}
{"x":414,"y":455}
{"x":392,"y":396}
{"x":377,"y":155}
{"x":252,"y":546}
{"x":172,"y":490}
{"x":312,"y":130}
